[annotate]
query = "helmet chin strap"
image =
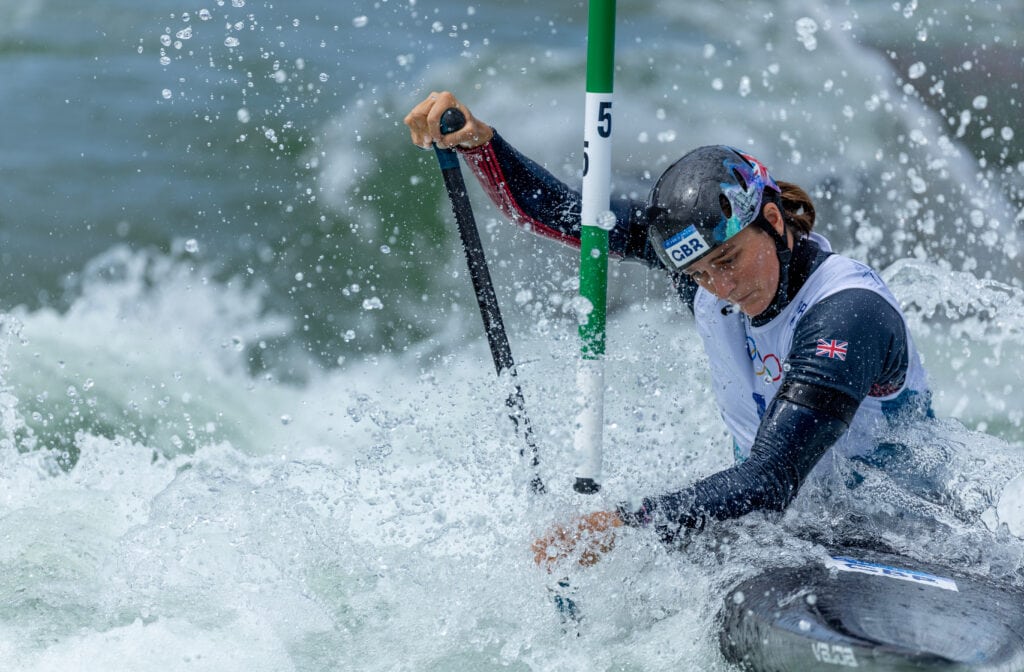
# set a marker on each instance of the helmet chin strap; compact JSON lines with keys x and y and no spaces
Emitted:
{"x":785,"y":256}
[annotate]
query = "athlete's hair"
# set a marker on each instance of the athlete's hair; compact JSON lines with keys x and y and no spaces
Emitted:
{"x":797,"y":208}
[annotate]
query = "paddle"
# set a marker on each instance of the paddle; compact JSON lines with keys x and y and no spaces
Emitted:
{"x":451,"y":121}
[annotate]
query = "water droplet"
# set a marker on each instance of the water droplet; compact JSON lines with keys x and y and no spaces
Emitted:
{"x":373,"y":303}
{"x":916,"y":70}
{"x":243,"y":115}
{"x":348,"y":336}
{"x":582,"y":306}
{"x":980,"y":102}
{"x":191,"y":246}
{"x":166,"y":93}
{"x":286,"y":419}
{"x":385,"y":249}
{"x":806,"y":27}
{"x":324,"y":77}
{"x":88,"y":384}
{"x":804,"y":625}
{"x":184,"y":33}
{"x":238,"y":3}
{"x":205,"y":15}
{"x":606,"y":220}
{"x":744,"y":89}
{"x":231,"y":42}
{"x":360,"y":21}
{"x":738,"y":597}
{"x":917,"y":183}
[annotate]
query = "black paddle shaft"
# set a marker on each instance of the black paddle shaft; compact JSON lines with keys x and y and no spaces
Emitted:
{"x":451,"y":121}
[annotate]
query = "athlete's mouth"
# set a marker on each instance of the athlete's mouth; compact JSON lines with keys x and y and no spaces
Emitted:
{"x":741,"y":300}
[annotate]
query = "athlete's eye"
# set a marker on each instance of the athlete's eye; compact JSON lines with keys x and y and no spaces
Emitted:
{"x":701,"y":278}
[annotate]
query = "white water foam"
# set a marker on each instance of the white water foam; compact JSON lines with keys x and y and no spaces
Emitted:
{"x":387,"y":525}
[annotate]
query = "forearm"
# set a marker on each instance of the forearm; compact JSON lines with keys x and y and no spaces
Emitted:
{"x":534,"y":199}
{"x":524,"y":192}
{"x":791,"y":440}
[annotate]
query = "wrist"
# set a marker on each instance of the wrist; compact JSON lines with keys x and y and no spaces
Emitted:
{"x":479,"y":141}
{"x":635,"y":517}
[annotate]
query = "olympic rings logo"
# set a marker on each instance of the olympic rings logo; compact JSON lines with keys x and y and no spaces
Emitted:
{"x":767,"y":367}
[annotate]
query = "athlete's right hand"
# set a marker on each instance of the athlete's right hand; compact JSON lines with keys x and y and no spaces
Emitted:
{"x":594,"y":532}
{"x":424,"y":122}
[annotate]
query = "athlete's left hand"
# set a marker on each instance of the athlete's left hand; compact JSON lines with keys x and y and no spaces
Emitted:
{"x":595,"y":532}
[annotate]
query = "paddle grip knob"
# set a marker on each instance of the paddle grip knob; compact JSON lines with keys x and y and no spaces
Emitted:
{"x":452,"y":120}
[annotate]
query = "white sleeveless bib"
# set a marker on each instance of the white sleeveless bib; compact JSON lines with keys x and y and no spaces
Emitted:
{"x":747,"y":363}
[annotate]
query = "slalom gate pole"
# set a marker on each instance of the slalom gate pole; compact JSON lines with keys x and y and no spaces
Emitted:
{"x":597,"y":220}
{"x":451,"y":121}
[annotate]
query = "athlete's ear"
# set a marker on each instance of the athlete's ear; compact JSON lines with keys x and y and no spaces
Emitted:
{"x":774,"y":217}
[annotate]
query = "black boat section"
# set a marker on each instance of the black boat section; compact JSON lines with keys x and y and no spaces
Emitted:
{"x":872,"y":611}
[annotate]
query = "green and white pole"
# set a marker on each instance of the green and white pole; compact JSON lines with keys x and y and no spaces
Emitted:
{"x":597,"y":220}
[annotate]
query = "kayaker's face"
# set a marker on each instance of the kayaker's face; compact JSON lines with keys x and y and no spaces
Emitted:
{"x":744,"y":270}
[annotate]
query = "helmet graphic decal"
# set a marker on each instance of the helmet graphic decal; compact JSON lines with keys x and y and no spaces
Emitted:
{"x":745,"y":197}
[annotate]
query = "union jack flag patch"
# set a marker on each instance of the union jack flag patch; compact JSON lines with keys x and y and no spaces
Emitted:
{"x":832,"y":349}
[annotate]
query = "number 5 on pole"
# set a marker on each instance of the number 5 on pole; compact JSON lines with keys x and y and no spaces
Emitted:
{"x":597,"y":169}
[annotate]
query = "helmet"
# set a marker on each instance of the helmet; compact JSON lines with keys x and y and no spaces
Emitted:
{"x":703,"y":200}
